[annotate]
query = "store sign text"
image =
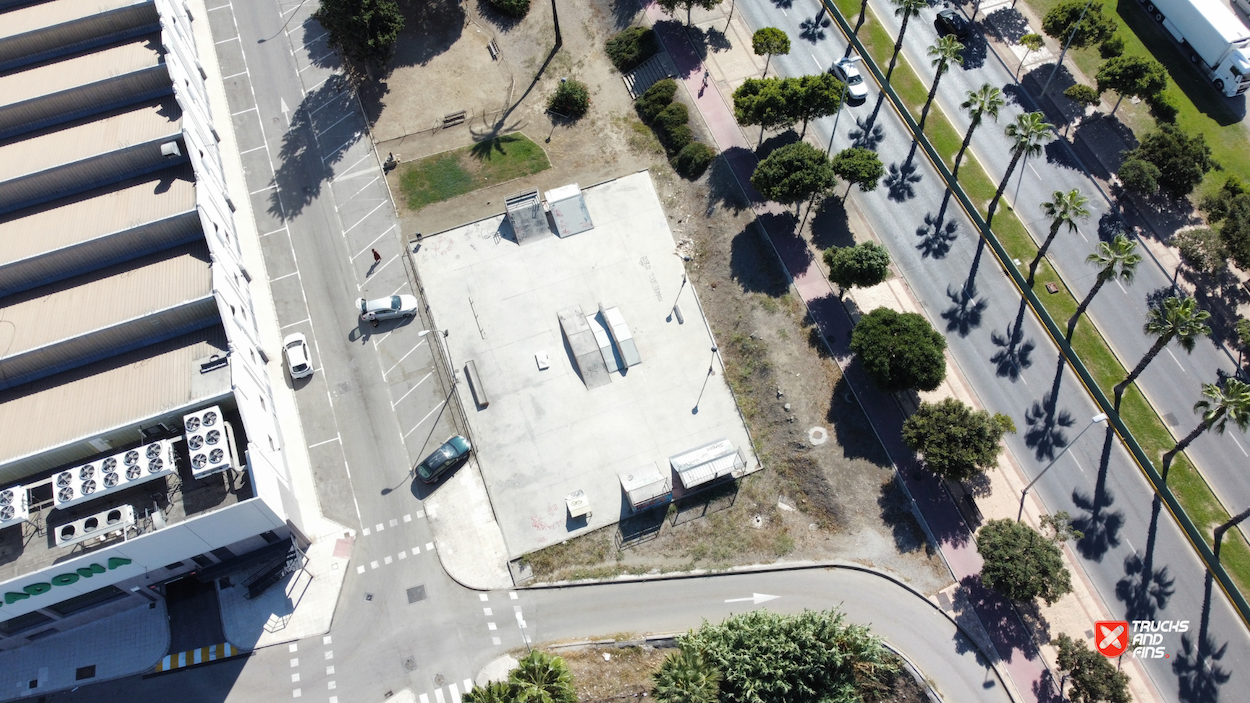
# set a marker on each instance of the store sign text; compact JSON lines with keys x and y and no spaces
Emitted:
{"x":38,"y":589}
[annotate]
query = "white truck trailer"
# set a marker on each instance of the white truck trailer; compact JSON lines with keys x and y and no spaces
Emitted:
{"x":1212,"y":35}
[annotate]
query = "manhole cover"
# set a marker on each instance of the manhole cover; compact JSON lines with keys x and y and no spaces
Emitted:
{"x":343,"y":387}
{"x":416,"y":593}
{"x":818,"y":435}
{"x":439,"y":680}
{"x":410,"y":663}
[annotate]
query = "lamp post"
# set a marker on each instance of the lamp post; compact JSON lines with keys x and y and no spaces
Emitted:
{"x":1097,"y":419}
{"x":710,"y":366}
{"x":1071,"y":36}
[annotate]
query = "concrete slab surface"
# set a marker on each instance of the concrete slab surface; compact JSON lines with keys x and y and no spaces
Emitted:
{"x":545,"y":434}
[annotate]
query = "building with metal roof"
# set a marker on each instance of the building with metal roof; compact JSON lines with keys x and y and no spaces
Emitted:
{"x":126,"y":323}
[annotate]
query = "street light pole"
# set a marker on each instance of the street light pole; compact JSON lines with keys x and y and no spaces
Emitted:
{"x":841,"y":106}
{"x":710,"y":366}
{"x":1071,"y":36}
{"x":1097,"y":419}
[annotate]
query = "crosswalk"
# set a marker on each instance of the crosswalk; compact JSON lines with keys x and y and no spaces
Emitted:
{"x":453,"y":691}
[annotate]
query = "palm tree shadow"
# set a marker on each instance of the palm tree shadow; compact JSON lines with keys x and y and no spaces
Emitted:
{"x":1014,"y":351}
{"x":1197,"y":663}
{"x":937,"y":235}
{"x":1046,"y":422}
{"x":1100,"y":526}
{"x":964,"y":315}
{"x":902,"y":177}
{"x":867,"y":134}
{"x":1144,"y":589}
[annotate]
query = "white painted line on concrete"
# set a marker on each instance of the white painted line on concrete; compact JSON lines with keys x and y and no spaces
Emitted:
{"x":416,"y":551}
{"x":512,"y":595}
{"x":495,"y":641}
{"x":279,"y":278}
{"x":294,"y":662}
{"x":351,"y":140}
{"x":455,"y":693}
{"x":487,"y":612}
{"x":429,"y":546}
{"x":296,"y":693}
{"x":294,"y":678}
{"x":329,"y":669}
{"x":1178,"y":361}
{"x":306,"y":319}
{"x":401,"y":555}
{"x":468,"y":685}
{"x":369,"y":246}
{"x":427,"y":416}
{"x":331,"y":685}
{"x":280,"y":229}
{"x":366,"y":532}
{"x":348,"y":172}
{"x":223,"y":41}
{"x":262,"y":190}
{"x":375,"y":209}
{"x":387,"y":560}
{"x":318,"y":444}
{"x":394,"y":522}
{"x":379,"y":527}
{"x":362,"y":189}
{"x":360,"y":569}
{"x":438,"y":695}
{"x":329,"y":656}
{"x":336,"y":122}
{"x":1243,"y":450}
{"x":420,"y":513}
{"x":408,"y":518}
{"x":293,"y":648}
{"x":242,"y":112}
{"x":483,"y":597}
{"x":491,"y":626}
{"x":424,"y":698}
{"x":328,"y":640}
{"x":401,"y":360}
{"x":401,"y":287}
{"x":378,"y":270}
{"x":373,"y":565}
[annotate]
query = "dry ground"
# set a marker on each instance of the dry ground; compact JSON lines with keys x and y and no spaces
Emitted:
{"x":836,"y":500}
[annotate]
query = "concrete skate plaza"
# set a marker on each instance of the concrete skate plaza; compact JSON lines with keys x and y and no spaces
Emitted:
{"x":544,"y":434}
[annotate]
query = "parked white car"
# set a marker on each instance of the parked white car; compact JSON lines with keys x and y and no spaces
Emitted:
{"x":387,"y":308}
{"x":298,"y":360}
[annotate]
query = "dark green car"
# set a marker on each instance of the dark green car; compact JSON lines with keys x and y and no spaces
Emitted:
{"x":443,"y":458}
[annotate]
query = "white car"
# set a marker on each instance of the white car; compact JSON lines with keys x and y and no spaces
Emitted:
{"x":846,"y":72}
{"x":298,"y":360}
{"x":387,"y":308}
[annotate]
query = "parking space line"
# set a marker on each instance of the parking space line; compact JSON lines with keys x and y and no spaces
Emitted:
{"x":405,"y":356}
{"x":349,"y":168}
{"x":336,"y":122}
{"x":255,"y":148}
{"x":362,"y":188}
{"x":332,"y":439}
{"x":410,"y":390}
{"x":401,"y":287}
{"x":280,"y":229}
{"x":329,"y":101}
{"x":279,"y":278}
{"x":351,"y":140}
{"x":235,"y":75}
{"x":369,"y":246}
{"x":223,"y":41}
{"x":427,"y":416}
{"x":262,"y":190}
{"x":243,"y":112}
{"x":375,"y":209}
{"x":306,"y":319}
{"x":378,"y":270}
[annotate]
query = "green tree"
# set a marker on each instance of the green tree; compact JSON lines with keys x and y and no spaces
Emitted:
{"x":943,"y":53}
{"x":956,"y":441}
{"x":1061,"y":525}
{"x":906,"y":9}
{"x":1096,"y":28}
{"x":1217,"y":204}
{"x":1243,"y":337}
{"x":1139,"y":176}
{"x":1117,"y":259}
{"x":542,"y":678}
{"x":1201,"y":249}
{"x":1135,"y":76}
{"x":863,"y":265}
{"x":769,"y":41}
{"x":1178,"y":318}
{"x":812,"y":97}
{"x":1082,"y":95}
{"x":814,"y":657}
{"x":1093,"y":677}
{"x":762,"y":101}
{"x":900,"y":351}
{"x":686,"y":677}
{"x":858,"y":166}
{"x":1063,"y":209}
{"x":512,"y":8}
{"x":1183,"y":159}
{"x":670,"y":7}
{"x":1020,"y":563}
{"x":364,"y":30}
{"x":571,"y":99}
{"x":1027,"y":134}
{"x":629,"y":48}
{"x":983,"y":102}
{"x":493,"y":692}
{"x":1031,"y":42}
{"x":793,"y":173}
{"x":1231,"y":205}
{"x":1218,"y":406}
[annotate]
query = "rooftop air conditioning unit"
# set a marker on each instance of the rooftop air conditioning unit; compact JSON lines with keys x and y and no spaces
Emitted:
{"x":113,"y":473}
{"x":111,"y":523}
{"x":14,"y":507}
{"x":210,"y":442}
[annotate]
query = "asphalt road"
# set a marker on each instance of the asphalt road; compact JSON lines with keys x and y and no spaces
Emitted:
{"x":1137,"y":558}
{"x":1173,"y":380}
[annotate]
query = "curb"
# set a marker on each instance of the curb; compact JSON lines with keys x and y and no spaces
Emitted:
{"x":197,"y":657}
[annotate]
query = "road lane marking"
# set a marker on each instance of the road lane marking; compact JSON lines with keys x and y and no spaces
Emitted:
{"x":360,"y":569}
{"x":306,"y":319}
{"x":483,"y":597}
{"x":348,"y":172}
{"x":379,"y":527}
{"x":279,"y":278}
{"x":387,"y":560}
{"x":429,"y":546}
{"x":369,"y":246}
{"x":487,"y":612}
{"x":366,"y":532}
{"x":438,"y":695}
{"x":491,"y":626}
{"x":294,"y":662}
{"x":318,"y":444}
{"x":408,"y":518}
{"x":373,"y":565}
{"x":1243,"y":451}
{"x":378,"y":270}
{"x":401,"y":556}
{"x":1178,"y":361}
{"x":294,"y":678}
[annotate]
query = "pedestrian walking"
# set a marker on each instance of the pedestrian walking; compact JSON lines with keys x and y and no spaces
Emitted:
{"x":706,"y":76}
{"x":377,"y":258}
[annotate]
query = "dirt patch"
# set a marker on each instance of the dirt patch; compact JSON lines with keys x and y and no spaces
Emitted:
{"x":828,"y":491}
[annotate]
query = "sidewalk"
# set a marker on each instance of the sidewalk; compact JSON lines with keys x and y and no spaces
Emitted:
{"x":1009,"y":636}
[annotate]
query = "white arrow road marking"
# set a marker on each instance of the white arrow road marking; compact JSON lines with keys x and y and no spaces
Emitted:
{"x":1110,"y":636}
{"x":286,"y":111}
{"x":756,"y":599}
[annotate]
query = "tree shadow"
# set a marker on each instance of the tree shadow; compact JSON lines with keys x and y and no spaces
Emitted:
{"x":896,"y":514}
{"x":753,"y":266}
{"x":1112,"y":225}
{"x":964,"y":314}
{"x":999,"y":617}
{"x":775,"y":142}
{"x":1108,"y":138}
{"x":867,"y":134}
{"x":1221,"y":294}
{"x":708,"y":40}
{"x":783,"y":4}
{"x":830,"y":227}
{"x":851,"y":428}
{"x":937,"y":234}
{"x":1059,"y":153}
{"x":502,"y":20}
{"x":975,"y":51}
{"x":1145,"y":590}
{"x":1197,"y":664}
{"x":1100,"y":525}
{"x":1007,"y":24}
{"x":302,"y":169}
{"x":430,"y":29}
{"x":901,"y":179}
{"x":813,"y":29}
{"x":625,"y":13}
{"x":1045,"y":435}
{"x":1014,"y":351}
{"x":723,"y":190}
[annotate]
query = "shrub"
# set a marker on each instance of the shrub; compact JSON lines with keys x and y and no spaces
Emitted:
{"x":1164,"y":106}
{"x":899,"y":351}
{"x":571,"y":99}
{"x":1111,"y":46}
{"x":862,"y":265}
{"x":512,"y":8}
{"x":657,"y":97}
{"x":1139,"y":176}
{"x":1201,"y":249}
{"x":672,"y":117}
{"x":693,"y":159}
{"x":365,"y":30}
{"x":631,"y":47}
{"x":676,"y":139}
{"x":1182,"y":158}
{"x":1082,"y":94}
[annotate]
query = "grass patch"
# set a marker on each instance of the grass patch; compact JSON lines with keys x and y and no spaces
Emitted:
{"x":486,"y":163}
{"x":1191,"y":490}
{"x":1202,"y":109}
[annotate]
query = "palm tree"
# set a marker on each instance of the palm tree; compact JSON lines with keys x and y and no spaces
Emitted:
{"x":686,"y":677}
{"x":1180,"y":319}
{"x":1028,"y":133}
{"x":1063,"y":209}
{"x":906,"y":8}
{"x":943,"y":52}
{"x":982,"y":102}
{"x":493,"y":692}
{"x":542,"y":678}
{"x":1115,"y":259}
{"x":1217,"y":408}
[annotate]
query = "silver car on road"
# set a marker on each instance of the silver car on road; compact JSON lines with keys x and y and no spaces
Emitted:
{"x":387,"y":308}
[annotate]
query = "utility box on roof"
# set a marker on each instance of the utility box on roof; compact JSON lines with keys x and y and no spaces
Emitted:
{"x":527,"y":217}
{"x":568,"y":209}
{"x":703,"y":465}
{"x":646,"y":487}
